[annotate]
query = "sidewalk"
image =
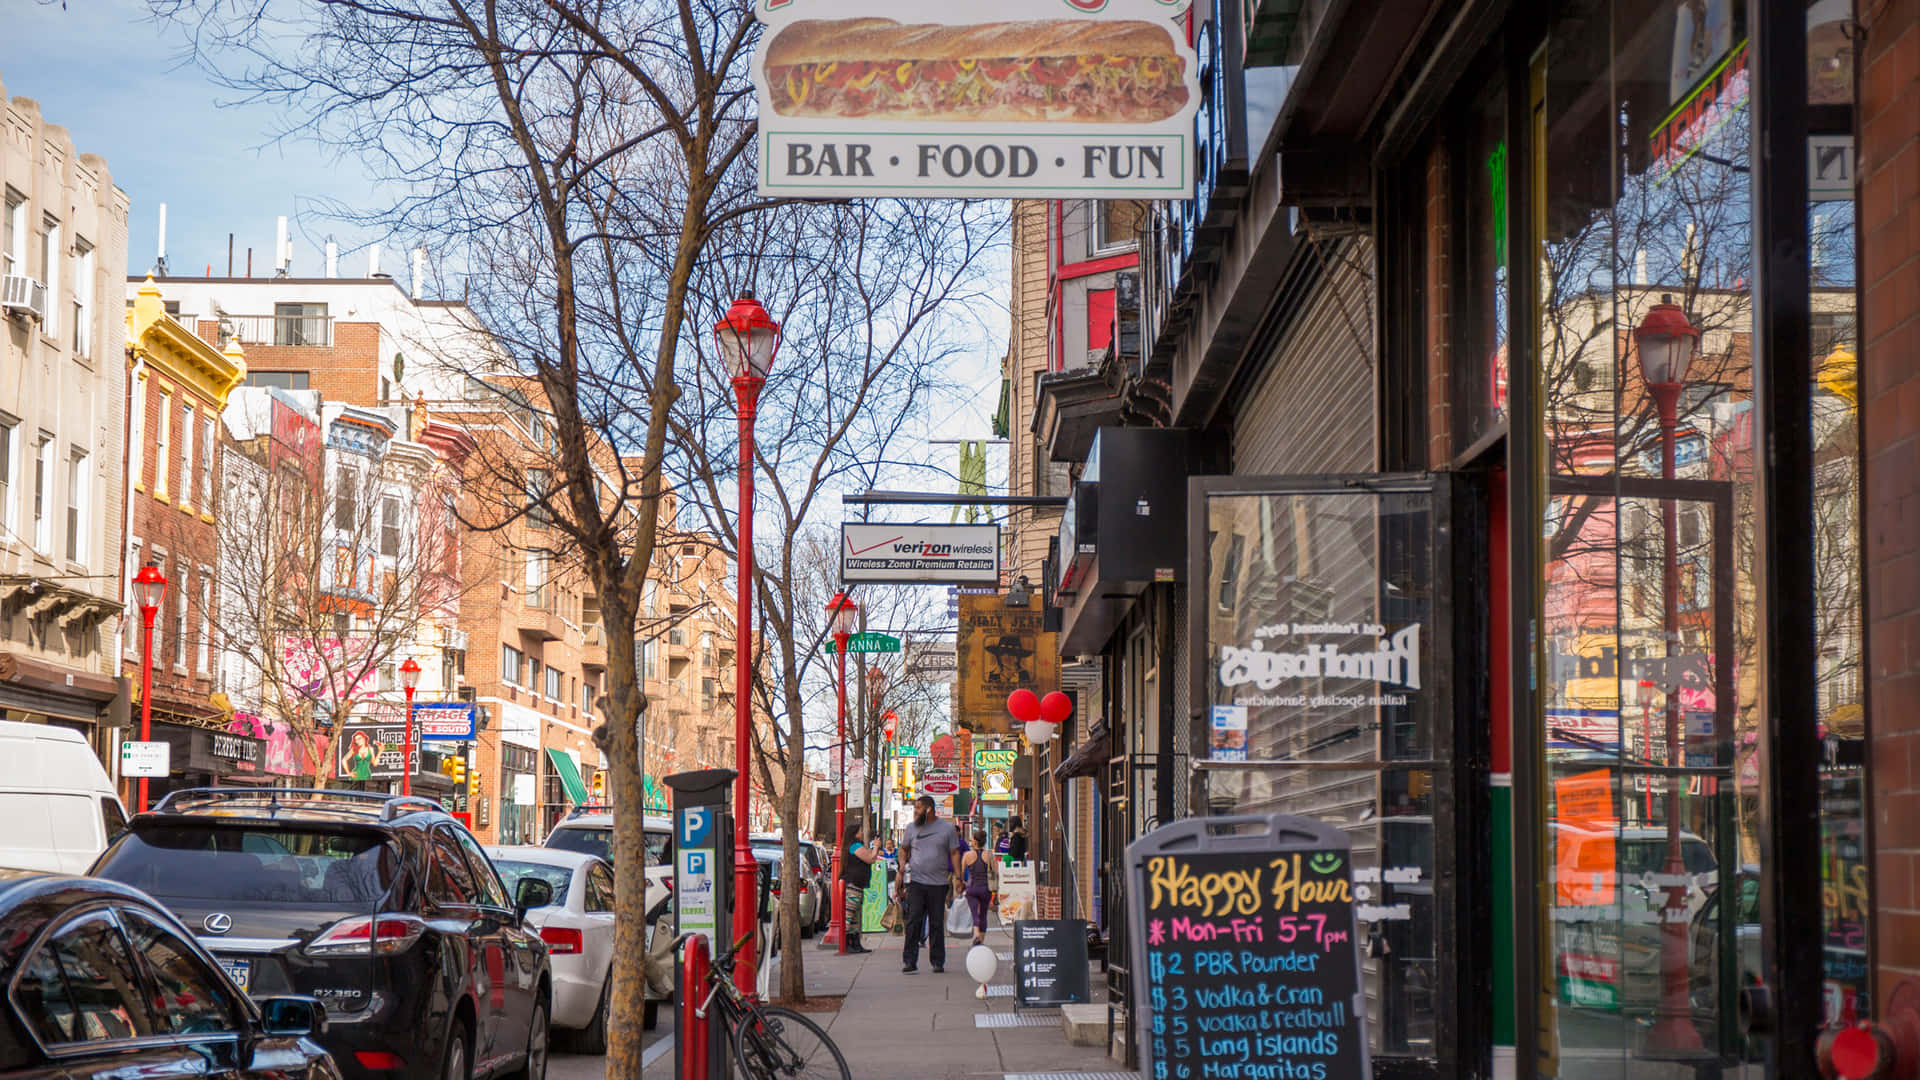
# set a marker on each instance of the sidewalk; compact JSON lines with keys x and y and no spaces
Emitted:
{"x":895,"y":1026}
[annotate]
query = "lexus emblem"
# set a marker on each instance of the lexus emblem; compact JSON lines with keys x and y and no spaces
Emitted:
{"x":218,"y":923}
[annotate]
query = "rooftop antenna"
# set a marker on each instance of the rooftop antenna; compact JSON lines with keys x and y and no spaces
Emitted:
{"x":282,"y":249}
{"x":333,"y":258}
{"x":373,"y":259}
{"x":160,"y":261}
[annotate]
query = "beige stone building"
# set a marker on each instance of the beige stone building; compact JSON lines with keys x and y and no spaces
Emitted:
{"x":63,"y":247}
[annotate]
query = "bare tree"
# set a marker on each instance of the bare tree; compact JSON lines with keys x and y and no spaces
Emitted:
{"x":332,"y":564}
{"x":877,"y":302}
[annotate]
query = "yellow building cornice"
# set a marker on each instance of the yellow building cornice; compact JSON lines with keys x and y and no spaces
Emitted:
{"x":178,"y":352}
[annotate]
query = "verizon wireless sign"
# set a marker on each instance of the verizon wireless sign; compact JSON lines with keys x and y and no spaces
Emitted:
{"x":1033,"y":99}
{"x":919,"y":554}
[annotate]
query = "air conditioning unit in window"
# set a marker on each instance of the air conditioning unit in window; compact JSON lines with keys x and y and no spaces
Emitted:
{"x":21,"y":295}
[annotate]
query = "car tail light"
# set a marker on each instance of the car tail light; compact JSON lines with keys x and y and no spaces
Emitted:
{"x":668,"y":882}
{"x":368,"y":935}
{"x":377,"y":1059}
{"x":561,"y":940}
{"x":803,"y":886}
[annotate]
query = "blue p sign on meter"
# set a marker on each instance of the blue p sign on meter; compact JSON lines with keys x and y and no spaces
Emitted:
{"x":694,"y":886}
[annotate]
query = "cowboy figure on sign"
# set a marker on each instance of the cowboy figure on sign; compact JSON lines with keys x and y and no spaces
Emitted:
{"x":1009,"y":662}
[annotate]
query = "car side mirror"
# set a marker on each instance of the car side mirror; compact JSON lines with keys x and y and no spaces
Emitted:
{"x":292,"y":1015}
{"x":531,"y":893}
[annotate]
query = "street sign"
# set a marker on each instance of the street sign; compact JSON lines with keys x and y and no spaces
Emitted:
{"x":867,"y":641}
{"x":443,"y":720}
{"x":145,"y":758}
{"x":906,"y":751}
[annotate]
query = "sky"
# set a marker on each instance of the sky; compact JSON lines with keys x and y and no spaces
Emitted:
{"x":116,"y":81}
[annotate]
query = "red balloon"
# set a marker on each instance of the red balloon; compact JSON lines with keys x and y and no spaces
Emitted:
{"x":1056,"y":707}
{"x":1024,"y":705}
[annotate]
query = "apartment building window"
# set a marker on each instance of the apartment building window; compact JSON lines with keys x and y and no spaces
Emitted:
{"x":42,"y":491}
{"x":160,"y":642}
{"x":9,"y":451}
{"x":537,"y":567}
{"x":554,"y":689}
{"x":346,"y":503}
{"x":186,"y":453}
{"x":533,"y":675}
{"x":586,"y":697}
{"x":77,"y":506}
{"x":346,"y":571}
{"x":206,"y":620}
{"x":300,"y":324}
{"x":13,"y":254}
{"x":707,"y":692}
{"x":180,"y":618}
{"x":539,"y":481}
{"x":706,"y":649}
{"x":390,"y":526}
{"x":278,"y":380}
{"x":207,"y":444}
{"x":50,"y":272}
{"x":1116,"y":223}
{"x":137,"y":431}
{"x":82,"y":298}
{"x":510,"y":659}
{"x":162,"y":447}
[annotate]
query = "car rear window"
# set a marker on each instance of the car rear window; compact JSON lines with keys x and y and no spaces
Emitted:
{"x":590,"y":841}
{"x":557,"y":876}
{"x":292,"y":866}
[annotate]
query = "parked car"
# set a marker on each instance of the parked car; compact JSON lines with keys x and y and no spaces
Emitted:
{"x":589,"y":830}
{"x":106,"y":983}
{"x":383,"y":907}
{"x":769,"y":857}
{"x":578,"y":929}
{"x":60,"y":809}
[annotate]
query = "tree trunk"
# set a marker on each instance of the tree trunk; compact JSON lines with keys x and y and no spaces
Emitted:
{"x":629,"y":837}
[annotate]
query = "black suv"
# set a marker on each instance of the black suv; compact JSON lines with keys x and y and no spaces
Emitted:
{"x":383,"y":907}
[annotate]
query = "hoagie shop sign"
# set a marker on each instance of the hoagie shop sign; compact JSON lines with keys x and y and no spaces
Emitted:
{"x":988,"y":98}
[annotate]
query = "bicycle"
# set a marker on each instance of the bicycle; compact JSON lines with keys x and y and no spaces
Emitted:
{"x":769,"y":1042}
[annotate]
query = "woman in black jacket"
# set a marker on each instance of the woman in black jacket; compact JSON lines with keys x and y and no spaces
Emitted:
{"x":856,"y":873}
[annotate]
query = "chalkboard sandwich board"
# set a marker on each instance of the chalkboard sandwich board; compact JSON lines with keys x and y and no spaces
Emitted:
{"x":1244,"y":952}
{"x":1050,"y":961}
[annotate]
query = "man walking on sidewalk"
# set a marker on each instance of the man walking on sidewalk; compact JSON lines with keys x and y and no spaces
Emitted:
{"x":930,"y":850}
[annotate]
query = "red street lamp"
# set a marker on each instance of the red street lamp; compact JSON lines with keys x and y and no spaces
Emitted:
{"x":747,"y":340}
{"x":149,"y":588}
{"x":1667,"y":344}
{"x":842,"y":612}
{"x":409,"y":681}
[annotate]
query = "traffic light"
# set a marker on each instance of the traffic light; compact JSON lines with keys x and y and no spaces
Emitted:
{"x":456,"y":767}
{"x":599,"y":787}
{"x":473,"y":785}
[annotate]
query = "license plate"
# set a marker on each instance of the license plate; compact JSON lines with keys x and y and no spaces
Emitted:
{"x":237,"y":970}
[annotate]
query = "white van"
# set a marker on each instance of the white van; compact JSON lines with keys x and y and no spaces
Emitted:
{"x":59,"y":807}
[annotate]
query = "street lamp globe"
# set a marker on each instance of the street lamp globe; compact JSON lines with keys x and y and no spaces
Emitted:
{"x":1667,"y":343}
{"x":747,"y":338}
{"x":149,"y":586}
{"x":410,"y":674}
{"x":843,"y":613}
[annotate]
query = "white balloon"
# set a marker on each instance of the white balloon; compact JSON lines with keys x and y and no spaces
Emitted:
{"x":981,"y":964}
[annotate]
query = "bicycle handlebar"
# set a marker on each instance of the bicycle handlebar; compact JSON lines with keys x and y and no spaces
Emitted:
{"x":722,"y":962}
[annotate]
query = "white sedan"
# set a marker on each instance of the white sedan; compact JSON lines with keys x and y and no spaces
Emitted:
{"x":578,"y":930}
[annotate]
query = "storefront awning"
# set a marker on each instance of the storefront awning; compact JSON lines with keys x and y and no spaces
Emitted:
{"x":1087,"y":757}
{"x":569,"y":774}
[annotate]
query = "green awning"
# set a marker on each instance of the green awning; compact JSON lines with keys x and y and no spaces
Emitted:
{"x":569,"y":775}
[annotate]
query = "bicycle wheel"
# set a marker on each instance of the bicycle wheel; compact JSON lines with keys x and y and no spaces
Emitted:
{"x":772,"y":1043}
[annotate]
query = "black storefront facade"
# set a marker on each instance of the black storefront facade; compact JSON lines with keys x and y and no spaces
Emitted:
{"x":1472,"y":344}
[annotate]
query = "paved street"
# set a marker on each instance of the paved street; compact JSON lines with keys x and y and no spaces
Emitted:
{"x":922,"y":1026}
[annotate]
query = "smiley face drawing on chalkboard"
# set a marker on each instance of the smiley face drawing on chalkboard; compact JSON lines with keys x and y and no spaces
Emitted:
{"x":1325,"y":862}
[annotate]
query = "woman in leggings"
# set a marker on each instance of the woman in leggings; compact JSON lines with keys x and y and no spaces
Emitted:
{"x":978,"y":871}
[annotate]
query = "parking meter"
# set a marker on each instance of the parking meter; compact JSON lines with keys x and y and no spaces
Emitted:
{"x":702,"y":886}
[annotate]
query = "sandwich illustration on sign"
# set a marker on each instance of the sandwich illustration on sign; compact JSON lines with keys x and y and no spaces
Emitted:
{"x":1030,"y":71}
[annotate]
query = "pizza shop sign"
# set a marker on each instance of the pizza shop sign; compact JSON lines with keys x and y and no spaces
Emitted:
{"x":989,"y":99}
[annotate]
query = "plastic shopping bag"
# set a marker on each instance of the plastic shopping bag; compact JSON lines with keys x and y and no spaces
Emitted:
{"x":959,"y":917}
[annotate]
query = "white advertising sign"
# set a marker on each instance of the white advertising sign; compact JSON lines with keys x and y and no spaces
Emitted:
{"x":145,"y":758}
{"x":523,"y":789}
{"x":1031,"y":99}
{"x":919,"y":554}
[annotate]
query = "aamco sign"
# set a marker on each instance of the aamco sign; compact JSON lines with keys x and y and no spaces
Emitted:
{"x":1034,"y":99}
